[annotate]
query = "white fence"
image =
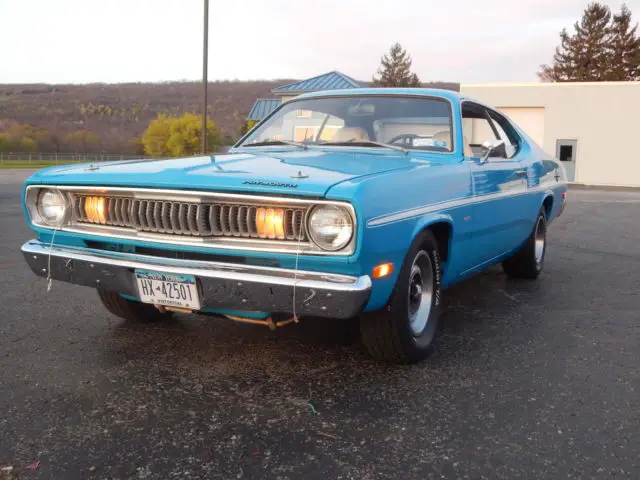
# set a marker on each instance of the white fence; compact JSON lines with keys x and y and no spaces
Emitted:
{"x":63,"y":158}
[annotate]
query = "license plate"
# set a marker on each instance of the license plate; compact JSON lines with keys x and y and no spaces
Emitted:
{"x":168,"y":289}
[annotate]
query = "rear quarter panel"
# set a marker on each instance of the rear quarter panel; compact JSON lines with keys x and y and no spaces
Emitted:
{"x":548,"y":179}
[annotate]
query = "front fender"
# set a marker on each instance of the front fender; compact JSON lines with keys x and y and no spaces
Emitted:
{"x":428,"y":220}
{"x":390,"y":243}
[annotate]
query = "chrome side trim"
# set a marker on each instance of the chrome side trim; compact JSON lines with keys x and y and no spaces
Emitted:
{"x":450,"y":204}
{"x":226,"y":243}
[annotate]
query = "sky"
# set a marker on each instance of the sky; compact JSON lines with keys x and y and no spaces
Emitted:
{"x":468,"y":41}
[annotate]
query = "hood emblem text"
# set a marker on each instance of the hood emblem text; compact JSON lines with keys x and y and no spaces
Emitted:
{"x":270,"y":184}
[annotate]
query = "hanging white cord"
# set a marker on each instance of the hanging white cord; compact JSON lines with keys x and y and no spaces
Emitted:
{"x":53,"y":237}
{"x":295,"y":279}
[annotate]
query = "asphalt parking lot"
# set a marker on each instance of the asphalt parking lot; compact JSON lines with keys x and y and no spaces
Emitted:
{"x":536,"y":380}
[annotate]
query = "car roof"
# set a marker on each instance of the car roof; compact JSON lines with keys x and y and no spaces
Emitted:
{"x":431,"y":92}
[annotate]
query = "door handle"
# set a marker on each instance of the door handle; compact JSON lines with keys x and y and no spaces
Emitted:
{"x":521,"y":173}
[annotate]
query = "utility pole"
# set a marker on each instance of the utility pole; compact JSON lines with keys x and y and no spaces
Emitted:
{"x":205,"y":61}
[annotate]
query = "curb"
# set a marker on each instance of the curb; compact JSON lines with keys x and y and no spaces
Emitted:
{"x":603,"y":188}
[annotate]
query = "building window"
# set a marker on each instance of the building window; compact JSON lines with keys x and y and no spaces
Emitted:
{"x":310,"y":133}
{"x":304,"y":113}
{"x":305,"y":134}
{"x":566,"y":150}
{"x":566,"y":153}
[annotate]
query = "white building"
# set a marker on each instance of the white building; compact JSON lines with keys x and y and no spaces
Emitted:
{"x":592,"y":127}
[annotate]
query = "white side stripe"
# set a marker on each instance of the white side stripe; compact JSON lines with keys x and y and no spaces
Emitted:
{"x":450,"y":204}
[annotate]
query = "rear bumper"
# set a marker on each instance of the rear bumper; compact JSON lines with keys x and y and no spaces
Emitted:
{"x":221,"y":285}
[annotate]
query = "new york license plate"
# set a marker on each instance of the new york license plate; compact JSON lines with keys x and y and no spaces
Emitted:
{"x":168,"y":289}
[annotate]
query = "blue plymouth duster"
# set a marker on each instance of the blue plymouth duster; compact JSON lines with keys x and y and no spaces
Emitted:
{"x":365,"y":202}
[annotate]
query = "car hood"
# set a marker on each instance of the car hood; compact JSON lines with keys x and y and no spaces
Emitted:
{"x":309,"y":172}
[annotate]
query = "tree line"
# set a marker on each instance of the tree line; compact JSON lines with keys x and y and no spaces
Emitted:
{"x":603,"y":46}
{"x":16,"y":137}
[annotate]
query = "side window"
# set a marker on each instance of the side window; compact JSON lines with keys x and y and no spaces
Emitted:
{"x":481,"y":130}
{"x":476,"y":128}
{"x":507,"y":133}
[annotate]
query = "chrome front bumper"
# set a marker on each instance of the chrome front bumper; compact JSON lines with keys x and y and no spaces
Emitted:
{"x":221,"y":285}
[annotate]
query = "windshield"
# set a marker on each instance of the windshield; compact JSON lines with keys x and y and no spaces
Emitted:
{"x":412,"y":123}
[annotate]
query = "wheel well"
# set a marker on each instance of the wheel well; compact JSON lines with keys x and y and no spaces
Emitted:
{"x":442,"y":232}
{"x":548,"y":205}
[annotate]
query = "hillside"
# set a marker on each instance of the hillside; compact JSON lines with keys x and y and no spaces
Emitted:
{"x":118,"y":113}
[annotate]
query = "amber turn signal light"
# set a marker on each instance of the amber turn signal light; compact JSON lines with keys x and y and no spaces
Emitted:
{"x":270,"y":223}
{"x":382,"y":270}
{"x":95,"y":209}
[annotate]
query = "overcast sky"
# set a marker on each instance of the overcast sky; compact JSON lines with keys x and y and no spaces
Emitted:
{"x":470,"y":41}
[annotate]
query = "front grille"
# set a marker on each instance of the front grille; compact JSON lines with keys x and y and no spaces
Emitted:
{"x":215,"y":219}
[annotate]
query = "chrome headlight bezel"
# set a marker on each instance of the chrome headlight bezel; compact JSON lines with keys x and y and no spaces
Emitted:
{"x":37,"y":211}
{"x":348,"y":227}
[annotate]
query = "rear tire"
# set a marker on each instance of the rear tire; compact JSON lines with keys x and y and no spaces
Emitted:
{"x":528,"y":262}
{"x":404,"y":330}
{"x":131,"y":311}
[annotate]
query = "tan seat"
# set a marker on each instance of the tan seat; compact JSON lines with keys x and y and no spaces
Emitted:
{"x":443,"y":139}
{"x":467,"y":147}
{"x":445,"y":136}
{"x":350,"y":134}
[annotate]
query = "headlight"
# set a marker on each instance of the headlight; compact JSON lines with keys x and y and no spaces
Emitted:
{"x":52,"y":207}
{"x":330,"y":227}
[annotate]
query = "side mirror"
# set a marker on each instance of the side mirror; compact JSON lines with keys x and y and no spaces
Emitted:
{"x":492,"y":146}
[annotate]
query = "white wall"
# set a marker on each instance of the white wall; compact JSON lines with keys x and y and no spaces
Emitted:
{"x":603,"y":117}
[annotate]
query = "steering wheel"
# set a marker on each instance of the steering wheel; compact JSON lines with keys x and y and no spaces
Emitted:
{"x":403,"y":139}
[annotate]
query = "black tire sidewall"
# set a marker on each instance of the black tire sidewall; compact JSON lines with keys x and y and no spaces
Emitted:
{"x":523,"y":264}
{"x":398,"y":307}
{"x":541,"y":217}
{"x":129,"y":310}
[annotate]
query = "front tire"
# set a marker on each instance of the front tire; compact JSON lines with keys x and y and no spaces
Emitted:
{"x":131,"y":311}
{"x":403,"y":332}
{"x":528,"y":262}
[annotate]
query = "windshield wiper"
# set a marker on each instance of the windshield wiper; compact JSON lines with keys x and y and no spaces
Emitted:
{"x":268,"y":142}
{"x":369,"y":142}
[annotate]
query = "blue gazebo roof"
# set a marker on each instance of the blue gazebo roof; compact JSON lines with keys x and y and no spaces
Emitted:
{"x":262,"y":108}
{"x":327,"y":81}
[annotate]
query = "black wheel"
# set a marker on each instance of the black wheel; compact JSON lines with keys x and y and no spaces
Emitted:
{"x":403,"y":331}
{"x":133,"y":312}
{"x":529,"y":260}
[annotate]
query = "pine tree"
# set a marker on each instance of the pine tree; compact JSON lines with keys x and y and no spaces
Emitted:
{"x":624,"y":47}
{"x":583,"y":56}
{"x":395,"y":69}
